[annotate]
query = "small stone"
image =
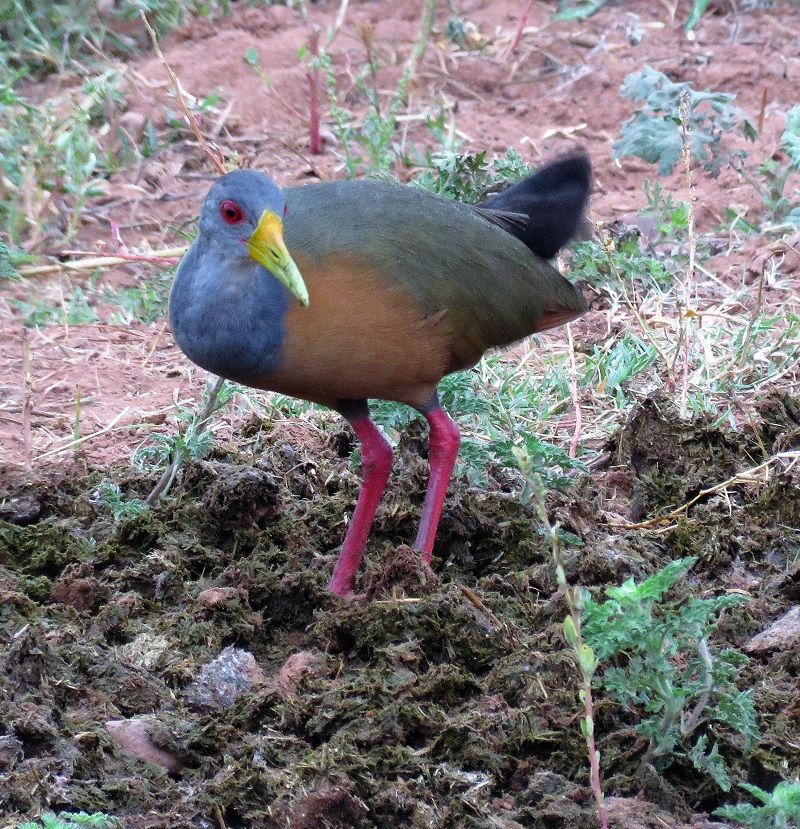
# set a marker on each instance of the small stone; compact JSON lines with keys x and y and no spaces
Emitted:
{"x":133,"y":735}
{"x":22,"y":511}
{"x":11,"y":752}
{"x":222,"y":680}
{"x":792,"y":69}
{"x":216,"y":596}
{"x":782,"y":634}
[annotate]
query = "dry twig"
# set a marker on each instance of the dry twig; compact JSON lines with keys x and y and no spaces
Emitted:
{"x":212,"y":152}
{"x":747,"y":476}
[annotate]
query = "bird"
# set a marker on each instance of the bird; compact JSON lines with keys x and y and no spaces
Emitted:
{"x":344,"y":291}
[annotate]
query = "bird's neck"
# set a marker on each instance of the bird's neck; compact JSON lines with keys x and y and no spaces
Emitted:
{"x":227,"y":317}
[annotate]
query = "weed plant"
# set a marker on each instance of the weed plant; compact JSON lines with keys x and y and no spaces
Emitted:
{"x":670,"y":111}
{"x":194,"y":440}
{"x":654,"y":132}
{"x":585,"y":659}
{"x":71,"y":820}
{"x":778,"y":809}
{"x":774,"y":173}
{"x":469,"y":177}
{"x":50,"y":158}
{"x":110,"y":496}
{"x":657,"y":661}
{"x":39,"y":311}
{"x":47,"y":37}
{"x":368,"y":150}
{"x":572,"y":9}
{"x":145,"y":302}
{"x":499,"y":411}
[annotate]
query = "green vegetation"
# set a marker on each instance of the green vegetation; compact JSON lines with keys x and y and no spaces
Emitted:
{"x":572,"y":9}
{"x":49,"y":36}
{"x":57,"y":154}
{"x":654,"y":655}
{"x":469,"y":177}
{"x":669,"y":111}
{"x":369,"y":149}
{"x":774,"y":173}
{"x":675,"y":119}
{"x":145,"y":302}
{"x":657,"y":660}
{"x":50,"y":156}
{"x":778,"y":809}
{"x":71,"y":820}
{"x":41,"y":311}
{"x":110,"y":495}
{"x":500,"y":412}
{"x":582,"y":651}
{"x":193,"y":439}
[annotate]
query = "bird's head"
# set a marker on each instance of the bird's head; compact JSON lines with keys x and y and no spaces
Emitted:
{"x":245,"y":207}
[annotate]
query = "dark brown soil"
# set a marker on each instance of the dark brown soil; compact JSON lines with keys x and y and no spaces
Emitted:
{"x":186,"y":666}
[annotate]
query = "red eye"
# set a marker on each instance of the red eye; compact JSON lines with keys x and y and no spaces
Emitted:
{"x":231,"y":212}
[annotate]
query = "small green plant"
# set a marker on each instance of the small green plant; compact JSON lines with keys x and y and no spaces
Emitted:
{"x":624,"y":262}
{"x":659,"y":663}
{"x":198,"y":106}
{"x":48,"y":36}
{"x":50,"y":157}
{"x":8,"y":262}
{"x":464,"y":33}
{"x":75,"y":310}
{"x":779,"y":809}
{"x":499,"y":410}
{"x":585,"y":659}
{"x":674,"y":113}
{"x":111,"y":497}
{"x":775,"y":173}
{"x":654,"y":132}
{"x":194,"y":440}
{"x":572,"y":9}
{"x":623,"y":259}
{"x":145,"y":302}
{"x":455,"y":30}
{"x":469,"y":177}
{"x":71,"y":820}
{"x":611,"y":368}
{"x":367,"y":149}
{"x":672,"y":220}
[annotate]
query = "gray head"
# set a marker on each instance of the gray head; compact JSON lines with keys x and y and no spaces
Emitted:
{"x":241,"y":219}
{"x":235,"y":203}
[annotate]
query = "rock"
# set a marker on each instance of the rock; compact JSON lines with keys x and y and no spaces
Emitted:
{"x":782,"y":634}
{"x":133,"y":735}
{"x":219,"y":682}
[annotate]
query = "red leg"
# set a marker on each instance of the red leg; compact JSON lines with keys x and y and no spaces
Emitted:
{"x":443,"y":443}
{"x":376,"y":463}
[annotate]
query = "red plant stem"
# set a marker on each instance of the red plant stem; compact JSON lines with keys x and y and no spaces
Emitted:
{"x":594,"y":762}
{"x":314,"y":140}
{"x":522,"y":24}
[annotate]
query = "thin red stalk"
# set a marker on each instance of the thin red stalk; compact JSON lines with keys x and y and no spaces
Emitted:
{"x":314,"y":139}
{"x":522,"y":24}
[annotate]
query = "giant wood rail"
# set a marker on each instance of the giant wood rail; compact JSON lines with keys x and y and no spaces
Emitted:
{"x":343,"y":291}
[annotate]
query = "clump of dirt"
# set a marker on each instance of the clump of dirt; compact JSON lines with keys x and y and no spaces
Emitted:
{"x":445,"y":696}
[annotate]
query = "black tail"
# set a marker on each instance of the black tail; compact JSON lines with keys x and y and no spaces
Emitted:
{"x":546,"y":209}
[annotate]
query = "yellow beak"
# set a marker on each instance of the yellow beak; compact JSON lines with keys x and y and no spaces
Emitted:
{"x":267,"y":247}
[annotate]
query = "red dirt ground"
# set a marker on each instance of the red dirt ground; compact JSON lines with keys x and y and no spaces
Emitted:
{"x":558,"y":90}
